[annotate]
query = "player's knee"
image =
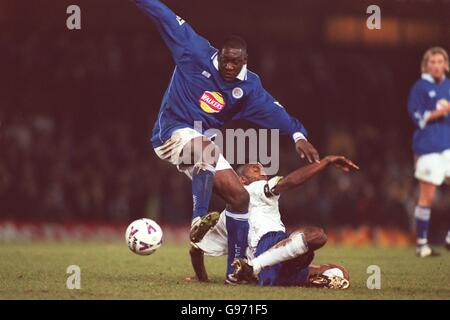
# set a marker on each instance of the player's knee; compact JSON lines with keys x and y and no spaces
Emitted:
{"x":426,"y":199}
{"x":239,"y":200}
{"x":209,"y":154}
{"x":200,"y":151}
{"x":427,"y":194}
{"x":315,"y":237}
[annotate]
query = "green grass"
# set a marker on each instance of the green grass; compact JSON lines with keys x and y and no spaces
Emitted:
{"x":111,"y":271}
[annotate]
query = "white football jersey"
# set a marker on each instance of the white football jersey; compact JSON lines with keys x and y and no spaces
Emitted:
{"x":264,"y":214}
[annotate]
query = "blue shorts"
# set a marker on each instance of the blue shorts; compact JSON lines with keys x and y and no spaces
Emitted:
{"x":288,"y":273}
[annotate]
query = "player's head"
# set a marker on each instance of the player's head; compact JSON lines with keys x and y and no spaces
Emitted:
{"x":435,"y":62}
{"x":251,"y":172}
{"x":232,"y":57}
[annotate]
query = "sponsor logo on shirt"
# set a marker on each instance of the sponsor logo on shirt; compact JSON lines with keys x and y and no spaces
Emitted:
{"x":212,"y":102}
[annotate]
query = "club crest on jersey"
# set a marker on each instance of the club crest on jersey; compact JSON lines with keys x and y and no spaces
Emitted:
{"x":212,"y":102}
{"x":237,"y":93}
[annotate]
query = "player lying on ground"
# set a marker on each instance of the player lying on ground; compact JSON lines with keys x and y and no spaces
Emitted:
{"x":275,"y":257}
{"x":212,"y":87}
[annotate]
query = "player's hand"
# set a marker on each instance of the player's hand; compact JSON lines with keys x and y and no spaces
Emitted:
{"x":342,"y":163}
{"x":447,"y":109}
{"x":306,"y":149}
{"x":443,"y":106}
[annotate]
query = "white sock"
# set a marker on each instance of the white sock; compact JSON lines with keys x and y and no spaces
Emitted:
{"x":447,"y":239}
{"x":422,"y":241}
{"x":194,"y":221}
{"x":291,"y":249}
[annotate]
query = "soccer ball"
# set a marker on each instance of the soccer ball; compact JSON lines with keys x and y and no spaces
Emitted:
{"x":143,"y":236}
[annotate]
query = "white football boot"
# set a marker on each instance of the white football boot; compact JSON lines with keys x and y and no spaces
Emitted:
{"x":424,"y":251}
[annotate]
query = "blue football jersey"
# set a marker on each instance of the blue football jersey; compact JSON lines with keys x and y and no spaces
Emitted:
{"x":423,"y":99}
{"x":197,"y":91}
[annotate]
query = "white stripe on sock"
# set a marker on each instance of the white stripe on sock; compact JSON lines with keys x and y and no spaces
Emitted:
{"x":421,"y":241}
{"x":237,"y":216}
{"x":422,"y":213}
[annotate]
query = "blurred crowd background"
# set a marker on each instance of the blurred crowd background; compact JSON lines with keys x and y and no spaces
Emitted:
{"x":77,"y":107}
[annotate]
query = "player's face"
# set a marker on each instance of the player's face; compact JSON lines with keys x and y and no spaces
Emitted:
{"x":252,"y":173}
{"x":231,"y":62}
{"x":436,"y":66}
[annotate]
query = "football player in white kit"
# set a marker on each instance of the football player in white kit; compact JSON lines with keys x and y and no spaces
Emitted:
{"x":275,"y":257}
{"x":429,"y":108}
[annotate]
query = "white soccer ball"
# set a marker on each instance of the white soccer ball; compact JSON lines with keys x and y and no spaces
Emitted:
{"x":143,"y":236}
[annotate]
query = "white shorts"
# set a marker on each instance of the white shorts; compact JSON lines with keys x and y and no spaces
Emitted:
{"x":433,"y":167}
{"x":170,"y":150}
{"x":215,"y":242}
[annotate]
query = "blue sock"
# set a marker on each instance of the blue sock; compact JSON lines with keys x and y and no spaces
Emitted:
{"x":202,"y":186}
{"x":237,"y":229}
{"x":422,"y":221}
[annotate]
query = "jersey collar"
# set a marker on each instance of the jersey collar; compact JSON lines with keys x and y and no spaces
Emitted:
{"x":429,"y":78}
{"x":241,"y":76}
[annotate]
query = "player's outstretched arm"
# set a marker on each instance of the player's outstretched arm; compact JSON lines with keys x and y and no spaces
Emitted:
{"x":303,"y":174}
{"x":176,"y":33}
{"x":198,"y":264}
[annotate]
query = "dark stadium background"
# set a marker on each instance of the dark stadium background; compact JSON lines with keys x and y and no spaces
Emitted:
{"x":77,"y":107}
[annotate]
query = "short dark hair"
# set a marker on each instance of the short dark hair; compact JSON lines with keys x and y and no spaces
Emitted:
{"x":235,"y":42}
{"x":241,"y":170}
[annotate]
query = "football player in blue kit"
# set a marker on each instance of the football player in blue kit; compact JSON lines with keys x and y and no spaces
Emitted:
{"x":429,"y":108}
{"x":211,"y":87}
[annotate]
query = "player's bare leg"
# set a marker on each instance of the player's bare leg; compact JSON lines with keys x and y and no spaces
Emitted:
{"x":227,"y":185}
{"x":201,"y":159}
{"x":422,"y":214}
{"x":202,"y":154}
{"x":198,"y":264}
{"x":299,"y":243}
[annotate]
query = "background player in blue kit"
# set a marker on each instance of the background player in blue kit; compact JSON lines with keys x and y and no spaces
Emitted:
{"x":212,"y":87}
{"x":428,"y":106}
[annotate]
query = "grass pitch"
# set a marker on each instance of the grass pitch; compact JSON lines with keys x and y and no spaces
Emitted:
{"x":111,"y":271}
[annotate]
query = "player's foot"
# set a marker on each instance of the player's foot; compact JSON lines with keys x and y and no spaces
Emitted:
{"x":242,"y":270}
{"x":201,"y":225}
{"x":333,"y":282}
{"x":424,"y":251}
{"x":447,"y":246}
